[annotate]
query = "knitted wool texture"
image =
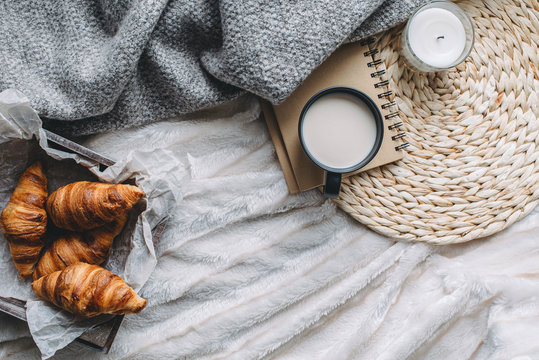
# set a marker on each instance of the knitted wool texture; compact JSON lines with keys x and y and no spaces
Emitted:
{"x":93,"y":66}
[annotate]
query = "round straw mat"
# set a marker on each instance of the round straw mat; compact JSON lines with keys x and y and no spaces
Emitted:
{"x":472,"y":167}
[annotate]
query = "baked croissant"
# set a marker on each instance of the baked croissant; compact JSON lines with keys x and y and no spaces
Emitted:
{"x":92,"y":247}
{"x":24,"y":220}
{"x":88,"y":290}
{"x":85,"y":205}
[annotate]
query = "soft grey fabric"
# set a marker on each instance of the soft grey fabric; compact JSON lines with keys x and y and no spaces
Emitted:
{"x":91,"y":66}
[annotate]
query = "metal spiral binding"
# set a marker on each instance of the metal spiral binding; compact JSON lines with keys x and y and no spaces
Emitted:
{"x":374,"y":63}
{"x":385,"y":94}
{"x":378,"y":73}
{"x":370,"y":52}
{"x":391,"y":115}
{"x":367,"y":41}
{"x":402,"y":146}
{"x":388,"y":105}
{"x":395,"y":125}
{"x":383,"y":85}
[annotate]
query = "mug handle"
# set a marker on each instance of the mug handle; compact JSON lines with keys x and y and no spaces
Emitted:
{"x":332,"y":186}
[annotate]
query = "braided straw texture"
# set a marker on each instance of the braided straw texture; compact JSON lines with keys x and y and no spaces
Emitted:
{"x":472,"y":167}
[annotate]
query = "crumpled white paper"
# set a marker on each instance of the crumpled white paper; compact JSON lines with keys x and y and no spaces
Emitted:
{"x":132,"y":257}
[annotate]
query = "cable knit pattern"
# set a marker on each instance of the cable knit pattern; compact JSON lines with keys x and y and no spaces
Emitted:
{"x":93,"y":66}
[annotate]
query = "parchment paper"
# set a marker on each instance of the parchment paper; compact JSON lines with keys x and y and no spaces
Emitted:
{"x":23,"y":141}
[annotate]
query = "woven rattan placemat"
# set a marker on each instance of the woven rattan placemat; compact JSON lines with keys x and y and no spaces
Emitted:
{"x":473,"y":165}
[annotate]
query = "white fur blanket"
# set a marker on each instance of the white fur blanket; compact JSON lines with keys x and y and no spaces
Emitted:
{"x":246,"y":271}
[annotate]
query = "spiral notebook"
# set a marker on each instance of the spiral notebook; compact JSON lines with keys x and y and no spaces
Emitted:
{"x":355,"y":65}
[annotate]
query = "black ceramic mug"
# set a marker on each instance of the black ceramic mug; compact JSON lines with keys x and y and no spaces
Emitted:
{"x":341,"y":130}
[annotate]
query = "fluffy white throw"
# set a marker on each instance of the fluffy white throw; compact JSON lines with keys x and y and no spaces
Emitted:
{"x":246,"y":271}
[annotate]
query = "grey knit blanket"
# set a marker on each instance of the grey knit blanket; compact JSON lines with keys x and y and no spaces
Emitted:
{"x":93,"y":66}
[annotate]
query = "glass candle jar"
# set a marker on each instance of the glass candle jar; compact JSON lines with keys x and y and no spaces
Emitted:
{"x":438,"y":36}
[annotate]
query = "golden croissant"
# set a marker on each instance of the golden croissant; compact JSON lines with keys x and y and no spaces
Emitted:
{"x":88,"y":290}
{"x":85,"y":205}
{"x":24,"y":220}
{"x":92,"y":247}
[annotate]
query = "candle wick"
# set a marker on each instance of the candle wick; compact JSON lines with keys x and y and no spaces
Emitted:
{"x":440,"y":37}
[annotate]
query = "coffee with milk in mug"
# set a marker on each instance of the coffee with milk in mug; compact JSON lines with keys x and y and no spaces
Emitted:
{"x":339,"y":130}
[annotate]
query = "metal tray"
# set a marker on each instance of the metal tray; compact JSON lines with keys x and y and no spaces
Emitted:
{"x":101,"y":336}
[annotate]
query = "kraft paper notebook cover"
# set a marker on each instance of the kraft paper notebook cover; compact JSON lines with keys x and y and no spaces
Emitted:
{"x":354,"y":65}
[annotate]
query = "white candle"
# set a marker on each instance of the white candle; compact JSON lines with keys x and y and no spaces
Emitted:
{"x":437,"y":37}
